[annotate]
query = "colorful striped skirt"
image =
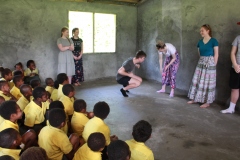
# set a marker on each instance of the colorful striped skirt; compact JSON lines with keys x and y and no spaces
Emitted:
{"x":203,"y":84}
{"x":169,"y":76}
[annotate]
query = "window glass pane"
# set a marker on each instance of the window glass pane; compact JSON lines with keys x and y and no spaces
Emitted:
{"x":104,"y":32}
{"x":83,"y":21}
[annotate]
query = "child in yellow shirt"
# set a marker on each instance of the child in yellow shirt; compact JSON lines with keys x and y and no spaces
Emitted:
{"x":49,"y":85}
{"x":7,"y":76}
{"x":11,"y":112}
{"x":97,"y":124}
{"x":35,"y":110}
{"x":80,"y":116}
{"x":66,"y":99}
{"x":18,"y":69}
{"x":10,"y":139}
{"x":119,"y":150}
{"x":5,"y":91}
{"x":142,"y":131}
{"x":15,"y":91}
{"x":62,"y":79}
{"x":54,"y":140}
{"x":31,"y":72}
{"x":92,"y":149}
{"x":35,"y":83}
{"x":26,"y":92}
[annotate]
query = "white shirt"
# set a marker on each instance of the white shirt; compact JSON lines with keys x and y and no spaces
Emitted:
{"x":171,"y":50}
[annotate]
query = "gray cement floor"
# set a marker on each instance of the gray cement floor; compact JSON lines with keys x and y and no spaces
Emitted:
{"x":180,"y":131}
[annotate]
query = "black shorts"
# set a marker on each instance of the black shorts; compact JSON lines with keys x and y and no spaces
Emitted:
{"x":234,"y":81}
{"x":124,"y":81}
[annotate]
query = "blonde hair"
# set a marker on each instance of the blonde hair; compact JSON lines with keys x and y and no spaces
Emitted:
{"x":63,"y":30}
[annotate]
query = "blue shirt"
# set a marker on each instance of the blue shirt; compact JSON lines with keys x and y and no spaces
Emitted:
{"x":208,"y":48}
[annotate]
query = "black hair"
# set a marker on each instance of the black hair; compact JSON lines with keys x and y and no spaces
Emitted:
{"x":24,"y":88}
{"x":142,"y":131}
{"x":7,"y":137}
{"x":56,"y":117}
{"x":56,"y":84}
{"x":17,"y":79}
{"x":34,"y":153}
{"x":67,"y":88}
{"x":5,"y":72}
{"x":29,"y":62}
{"x":7,"y":108}
{"x":61,"y":77}
{"x":56,"y":104}
{"x":79,"y":105}
{"x":48,"y":80}
{"x":6,"y":157}
{"x":140,"y":54}
{"x":3,"y":83}
{"x":18,"y":64}
{"x":38,"y":92}
{"x":101,"y":110}
{"x":96,"y":141}
{"x":118,"y":150}
{"x":17,"y":73}
{"x":34,"y":83}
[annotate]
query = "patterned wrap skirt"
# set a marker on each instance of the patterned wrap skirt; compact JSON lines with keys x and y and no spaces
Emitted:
{"x":203,"y":84}
{"x":169,"y":76}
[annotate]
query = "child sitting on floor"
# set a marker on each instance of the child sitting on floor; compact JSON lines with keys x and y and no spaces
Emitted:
{"x":26,"y":92}
{"x":49,"y":85}
{"x":19,"y":67}
{"x":92,"y":149}
{"x":35,"y":110}
{"x":142,"y":131}
{"x":15,"y":91}
{"x":10,"y":140}
{"x":55,"y":142}
{"x":5,"y":91}
{"x":62,"y":79}
{"x":35,"y":83}
{"x":80,"y":116}
{"x":11,"y":112}
{"x":31,"y":72}
{"x":54,"y":95}
{"x":119,"y":150}
{"x":7,"y":76}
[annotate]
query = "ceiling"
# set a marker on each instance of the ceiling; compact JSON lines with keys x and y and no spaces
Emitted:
{"x":117,"y":2}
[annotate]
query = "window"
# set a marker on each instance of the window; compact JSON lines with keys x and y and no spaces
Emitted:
{"x":97,"y":30}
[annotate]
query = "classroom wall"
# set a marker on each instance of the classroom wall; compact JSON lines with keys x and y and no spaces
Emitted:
{"x":30,"y":29}
{"x":179,"y":22}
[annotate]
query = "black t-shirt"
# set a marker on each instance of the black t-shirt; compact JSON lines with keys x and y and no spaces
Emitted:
{"x":77,"y":44}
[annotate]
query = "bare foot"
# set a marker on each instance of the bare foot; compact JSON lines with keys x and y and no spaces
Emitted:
{"x":191,"y":102}
{"x":205,"y":105}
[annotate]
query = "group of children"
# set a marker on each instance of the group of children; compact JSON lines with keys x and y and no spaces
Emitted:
{"x":50,"y":123}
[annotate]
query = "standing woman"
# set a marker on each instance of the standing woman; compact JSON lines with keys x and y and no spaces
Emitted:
{"x":204,"y":80}
{"x":77,"y":55}
{"x":234,"y":81}
{"x":171,"y":64}
{"x":65,"y":57}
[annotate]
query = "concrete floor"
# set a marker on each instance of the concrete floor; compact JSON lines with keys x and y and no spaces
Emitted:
{"x":180,"y":131}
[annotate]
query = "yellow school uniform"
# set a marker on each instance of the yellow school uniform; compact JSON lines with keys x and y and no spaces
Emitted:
{"x":47,"y":103}
{"x":78,"y":122}
{"x":68,"y":105}
{"x":22,"y":103}
{"x":16,"y":92}
{"x":27,"y":71}
{"x":11,"y":84}
{"x":5,"y":96}
{"x":139,"y":150}
{"x":49,"y":89}
{"x":1,"y":119}
{"x":15,"y":153}
{"x":60,"y":92}
{"x":54,"y":95}
{"x":34,"y":114}
{"x":85,"y":153}
{"x":8,"y":124}
{"x":96,"y":125}
{"x":55,"y":142}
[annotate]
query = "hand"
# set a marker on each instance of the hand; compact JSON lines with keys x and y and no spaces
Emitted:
{"x":137,"y":65}
{"x":167,"y":66}
{"x":131,"y":75}
{"x":237,"y":68}
{"x":113,"y":138}
{"x":76,"y":58}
